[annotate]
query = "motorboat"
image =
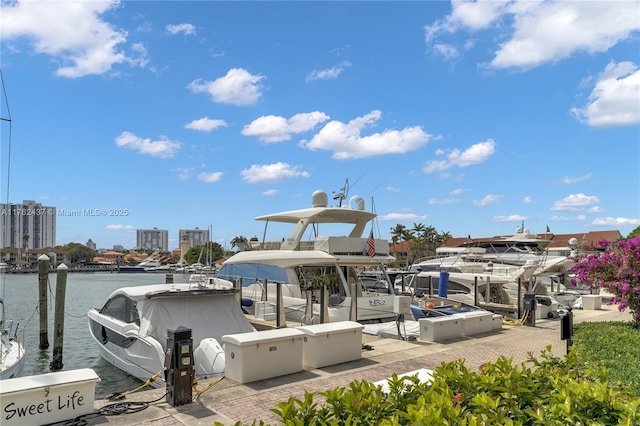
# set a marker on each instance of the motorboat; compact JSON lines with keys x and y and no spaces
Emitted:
{"x":12,"y":353}
{"x":500,"y":293}
{"x":316,"y":277}
{"x":497,"y":255}
{"x":131,"y":328}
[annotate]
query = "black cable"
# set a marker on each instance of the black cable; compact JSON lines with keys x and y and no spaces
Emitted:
{"x":115,"y":409}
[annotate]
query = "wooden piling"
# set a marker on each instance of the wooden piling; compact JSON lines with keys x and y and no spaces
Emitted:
{"x":43,"y":278}
{"x":58,"y":323}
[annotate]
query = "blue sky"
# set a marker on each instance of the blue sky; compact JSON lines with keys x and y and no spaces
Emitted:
{"x":470,"y":117}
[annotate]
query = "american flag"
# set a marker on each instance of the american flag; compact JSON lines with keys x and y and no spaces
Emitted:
{"x":371,"y":245}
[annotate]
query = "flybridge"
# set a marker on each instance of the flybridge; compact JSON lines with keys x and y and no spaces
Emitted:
{"x":320,"y":214}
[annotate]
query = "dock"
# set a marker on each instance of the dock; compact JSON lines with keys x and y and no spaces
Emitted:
{"x":225,"y":401}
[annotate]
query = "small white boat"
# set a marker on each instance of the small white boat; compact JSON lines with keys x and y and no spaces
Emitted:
{"x":131,"y":329}
{"x":12,"y":357}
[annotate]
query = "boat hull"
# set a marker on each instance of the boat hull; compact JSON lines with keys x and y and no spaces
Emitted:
{"x":13,"y":359}
{"x":140,"y":358}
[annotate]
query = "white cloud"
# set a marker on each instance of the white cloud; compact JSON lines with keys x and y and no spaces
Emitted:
{"x":527,"y":199}
{"x":163,"y":148}
{"x":579,"y":217}
{"x":615,"y":221}
{"x":237,"y":87}
{"x":472,"y":15}
{"x":447,"y":51}
{"x":186,"y":29}
{"x":541,"y":31}
{"x":458,"y":191}
{"x":184,"y":173}
{"x":347,"y":142}
{"x":510,"y":218}
{"x":71,"y":32}
{"x":328,"y":74}
{"x":273,"y":128}
{"x":575,"y":202}
{"x":393,"y":189}
{"x":271,"y":173}
{"x":401,"y":217}
{"x":205,"y":124}
{"x":126,"y":228}
{"x":270,"y":192}
{"x":568,"y":180}
{"x":444,"y":201}
{"x":210,"y":177}
{"x":488,"y":200}
{"x":476,"y":154}
{"x":615,"y":98}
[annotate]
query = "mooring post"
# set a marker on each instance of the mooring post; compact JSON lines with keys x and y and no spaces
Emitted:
{"x":43,"y":278}
{"x":520,"y":299}
{"x":58,"y":322}
{"x":475,"y":291}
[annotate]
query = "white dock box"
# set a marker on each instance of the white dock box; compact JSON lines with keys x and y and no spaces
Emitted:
{"x":441,"y":328}
{"x":262,"y":354}
{"x":476,"y":322}
{"x":497,"y":322}
{"x":331,"y":343}
{"x":591,"y":301}
{"x":48,"y":398}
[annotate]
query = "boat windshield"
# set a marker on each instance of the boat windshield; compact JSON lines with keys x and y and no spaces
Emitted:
{"x":121,"y":308}
{"x":250,"y":273}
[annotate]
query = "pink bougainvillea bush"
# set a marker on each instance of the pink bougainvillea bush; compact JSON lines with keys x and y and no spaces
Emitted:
{"x":617,"y":270}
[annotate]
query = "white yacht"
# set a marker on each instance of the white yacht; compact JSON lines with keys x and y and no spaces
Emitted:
{"x":301,"y":268}
{"x":498,"y":255}
{"x":131,"y":328}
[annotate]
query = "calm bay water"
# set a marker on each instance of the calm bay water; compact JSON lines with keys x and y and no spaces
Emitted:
{"x":84,"y":291}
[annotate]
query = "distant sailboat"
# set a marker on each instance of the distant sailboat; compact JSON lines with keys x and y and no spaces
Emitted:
{"x":12,"y":353}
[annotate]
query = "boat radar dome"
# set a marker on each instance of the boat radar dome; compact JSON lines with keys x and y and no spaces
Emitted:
{"x":319,"y":199}
{"x":359,"y":202}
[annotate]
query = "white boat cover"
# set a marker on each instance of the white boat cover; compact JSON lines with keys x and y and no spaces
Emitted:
{"x":207,"y":316}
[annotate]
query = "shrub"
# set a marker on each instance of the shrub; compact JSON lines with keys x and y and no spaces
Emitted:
{"x":617,"y":270}
{"x":549,"y":391}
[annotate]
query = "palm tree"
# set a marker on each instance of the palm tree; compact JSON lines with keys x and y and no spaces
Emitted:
{"x":240,"y":242}
{"x":398,"y":233}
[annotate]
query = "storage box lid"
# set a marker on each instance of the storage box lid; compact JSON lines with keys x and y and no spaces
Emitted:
{"x":443,"y":318}
{"x":266,"y":336}
{"x":26,"y":383}
{"x":475,"y":314}
{"x":330,"y":327}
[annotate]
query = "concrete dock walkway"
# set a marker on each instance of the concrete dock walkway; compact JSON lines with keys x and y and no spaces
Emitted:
{"x":228,"y":402}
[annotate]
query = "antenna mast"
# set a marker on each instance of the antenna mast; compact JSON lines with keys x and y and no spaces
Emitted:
{"x":341,"y":196}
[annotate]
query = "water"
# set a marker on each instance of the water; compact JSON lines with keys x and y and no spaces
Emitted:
{"x":84,"y":291}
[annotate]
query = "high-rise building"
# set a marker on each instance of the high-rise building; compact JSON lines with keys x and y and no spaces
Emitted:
{"x":152,"y":239}
{"x":91,"y":244}
{"x":197,"y":237}
{"x":27,"y":225}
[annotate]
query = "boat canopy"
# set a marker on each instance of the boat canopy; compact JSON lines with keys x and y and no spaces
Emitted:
{"x":207,"y":312}
{"x":320,"y":215}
